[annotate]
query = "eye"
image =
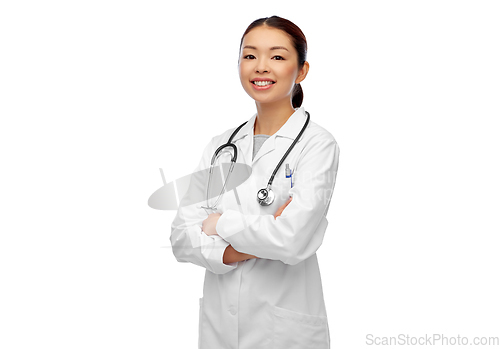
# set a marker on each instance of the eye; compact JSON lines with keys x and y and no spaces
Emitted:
{"x":278,"y":58}
{"x":249,"y":57}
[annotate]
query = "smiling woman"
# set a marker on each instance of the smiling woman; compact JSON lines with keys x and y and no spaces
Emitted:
{"x":273,"y":58}
{"x":262,"y":283}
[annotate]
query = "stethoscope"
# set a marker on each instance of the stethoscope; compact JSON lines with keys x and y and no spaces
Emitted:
{"x":265,"y":196}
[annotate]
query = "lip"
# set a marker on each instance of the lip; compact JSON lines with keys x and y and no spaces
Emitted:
{"x":260,"y":88}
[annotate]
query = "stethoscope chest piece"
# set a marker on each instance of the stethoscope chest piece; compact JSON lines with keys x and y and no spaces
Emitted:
{"x":265,"y":196}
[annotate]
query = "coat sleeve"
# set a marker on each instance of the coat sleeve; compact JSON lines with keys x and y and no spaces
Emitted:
{"x":189,"y":242}
{"x":298,"y":232}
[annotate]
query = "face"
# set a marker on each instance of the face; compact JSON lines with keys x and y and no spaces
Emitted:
{"x":268,"y":65}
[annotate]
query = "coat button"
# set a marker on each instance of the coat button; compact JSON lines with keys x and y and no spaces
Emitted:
{"x":232,"y":310}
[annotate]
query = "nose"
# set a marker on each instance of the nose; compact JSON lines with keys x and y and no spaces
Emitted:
{"x":261,"y":67}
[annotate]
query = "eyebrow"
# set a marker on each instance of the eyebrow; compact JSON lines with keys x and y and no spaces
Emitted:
{"x":272,"y":48}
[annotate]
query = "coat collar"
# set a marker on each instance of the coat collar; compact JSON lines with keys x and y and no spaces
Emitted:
{"x":289,"y":130}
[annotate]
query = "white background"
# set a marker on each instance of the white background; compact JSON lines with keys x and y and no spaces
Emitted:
{"x":96,"y":96}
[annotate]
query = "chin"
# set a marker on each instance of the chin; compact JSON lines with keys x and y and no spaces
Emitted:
{"x":262,"y":100}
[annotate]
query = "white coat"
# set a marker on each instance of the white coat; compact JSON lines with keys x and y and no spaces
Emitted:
{"x":274,"y":301}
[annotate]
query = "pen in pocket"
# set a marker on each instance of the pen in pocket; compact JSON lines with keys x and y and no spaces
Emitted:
{"x":288,"y":174}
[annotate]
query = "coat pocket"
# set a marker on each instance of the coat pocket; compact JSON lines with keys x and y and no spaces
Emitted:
{"x":293,"y":330}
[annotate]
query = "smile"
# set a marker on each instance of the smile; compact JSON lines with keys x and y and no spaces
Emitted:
{"x":262,"y":83}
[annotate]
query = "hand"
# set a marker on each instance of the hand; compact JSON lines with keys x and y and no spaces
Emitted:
{"x":209,"y":224}
{"x":280,"y":210}
{"x":232,"y":256}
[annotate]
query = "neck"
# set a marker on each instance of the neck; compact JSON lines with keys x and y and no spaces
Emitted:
{"x":271,"y":116}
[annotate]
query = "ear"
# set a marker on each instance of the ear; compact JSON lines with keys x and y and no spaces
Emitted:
{"x":302,"y":73}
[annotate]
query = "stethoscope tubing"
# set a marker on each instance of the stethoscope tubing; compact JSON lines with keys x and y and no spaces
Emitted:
{"x":289,"y":149}
{"x":234,"y":158}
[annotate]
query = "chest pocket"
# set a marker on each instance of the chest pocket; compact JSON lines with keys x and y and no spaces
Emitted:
{"x":281,"y":186}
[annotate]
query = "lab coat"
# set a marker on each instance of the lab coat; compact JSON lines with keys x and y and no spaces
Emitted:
{"x":274,"y":301}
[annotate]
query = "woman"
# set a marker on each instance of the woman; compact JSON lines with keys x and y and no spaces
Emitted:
{"x":262,"y":282}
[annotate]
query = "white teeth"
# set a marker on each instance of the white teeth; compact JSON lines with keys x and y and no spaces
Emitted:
{"x":262,"y":83}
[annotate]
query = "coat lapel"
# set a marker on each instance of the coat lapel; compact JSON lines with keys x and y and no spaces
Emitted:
{"x":267,"y":147}
{"x":244,"y":138}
